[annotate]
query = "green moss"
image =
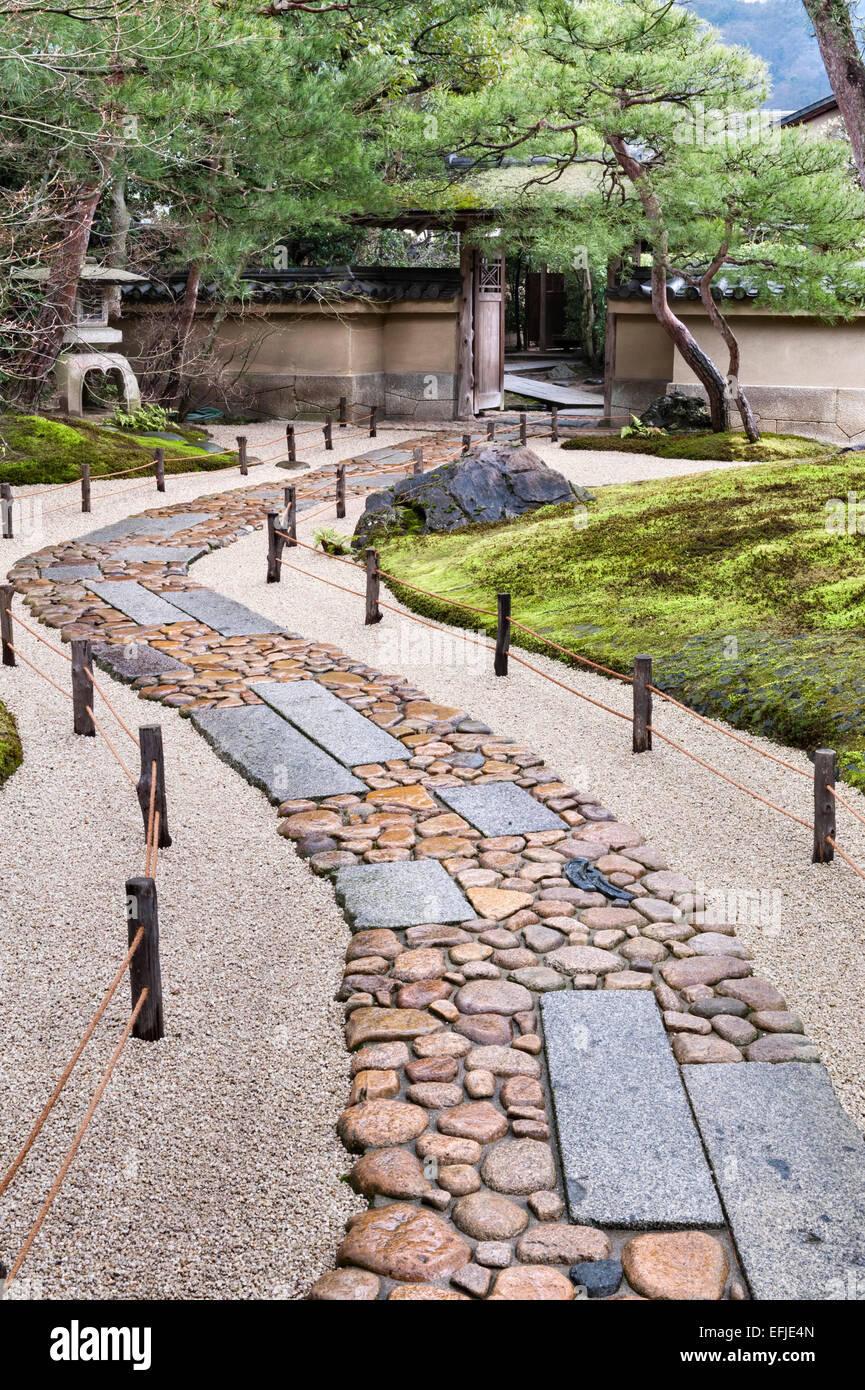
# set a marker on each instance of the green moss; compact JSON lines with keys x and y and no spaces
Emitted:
{"x":10,"y":745}
{"x":752,"y":609}
{"x":35,"y":449}
{"x":731,"y":447}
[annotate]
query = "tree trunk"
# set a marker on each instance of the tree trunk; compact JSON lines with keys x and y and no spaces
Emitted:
{"x":733,"y":389}
{"x":845,"y":68}
{"x":116,"y":253}
{"x":700,"y":363}
{"x":58,"y":306}
{"x":587,"y":320}
{"x":177,"y":357}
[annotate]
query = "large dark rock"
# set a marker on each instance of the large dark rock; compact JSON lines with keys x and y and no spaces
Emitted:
{"x":494,"y":482}
{"x":677,"y":411}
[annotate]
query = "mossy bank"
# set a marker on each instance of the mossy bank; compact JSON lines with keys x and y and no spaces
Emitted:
{"x":746,"y":585}
{"x":38,"y":449}
{"x":10,"y":745}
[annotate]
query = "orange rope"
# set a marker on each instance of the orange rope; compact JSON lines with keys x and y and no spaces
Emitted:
{"x":775,"y":807}
{"x":50,"y":645}
{"x":70,"y":1065}
{"x":100,"y":730}
{"x":845,"y":857}
{"x":29,"y":663}
{"x":73,"y":1148}
{"x":106,"y":700}
{"x":851,"y":809}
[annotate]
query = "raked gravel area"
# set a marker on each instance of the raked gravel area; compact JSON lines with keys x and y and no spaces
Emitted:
{"x":804,"y":922}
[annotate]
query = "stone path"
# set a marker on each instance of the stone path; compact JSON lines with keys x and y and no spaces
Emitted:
{"x":446,"y":846}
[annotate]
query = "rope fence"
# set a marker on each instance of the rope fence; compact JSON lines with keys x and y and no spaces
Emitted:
{"x":823,"y":825}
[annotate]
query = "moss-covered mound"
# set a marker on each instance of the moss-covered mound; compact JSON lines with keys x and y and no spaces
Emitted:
{"x":36,"y":449}
{"x":747,"y":586}
{"x":10,"y":745}
{"x":731,"y":447}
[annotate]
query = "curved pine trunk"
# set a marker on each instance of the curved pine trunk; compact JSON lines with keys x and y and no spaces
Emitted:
{"x":833,"y":26}
{"x":699,"y":361}
{"x":720,"y":322}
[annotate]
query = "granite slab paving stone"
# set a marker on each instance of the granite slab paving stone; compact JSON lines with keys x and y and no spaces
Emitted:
{"x":136,"y":602}
{"x":500,"y":809}
{"x":790,"y":1167}
{"x":272,"y":754}
{"x":343,"y":732}
{"x":403,"y":847}
{"x":60,"y":574}
{"x":400,"y":894}
{"x":129,"y":660}
{"x":630,"y":1151}
{"x":146,"y":526}
{"x":224,"y":615}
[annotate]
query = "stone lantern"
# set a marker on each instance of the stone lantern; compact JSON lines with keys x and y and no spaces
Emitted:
{"x":88,"y":335}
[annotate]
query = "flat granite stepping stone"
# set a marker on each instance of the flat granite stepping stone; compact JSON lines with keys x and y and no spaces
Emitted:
{"x":134,"y":659}
{"x":617,"y":1095}
{"x":400,"y":894}
{"x":59,"y":573}
{"x":224,"y":615}
{"x":144,"y":554}
{"x":146,"y":526}
{"x":343,"y":732}
{"x":790,"y":1166}
{"x":136,"y":602}
{"x":273,"y":755}
{"x":499,"y":808}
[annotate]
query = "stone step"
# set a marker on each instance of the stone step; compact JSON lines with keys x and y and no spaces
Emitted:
{"x":225,"y":615}
{"x":146,"y":526}
{"x":400,"y":894}
{"x":343,"y":732}
{"x":790,"y":1167}
{"x":136,"y":602}
{"x":631,"y":1154}
{"x":272,"y":754}
{"x":499,"y":808}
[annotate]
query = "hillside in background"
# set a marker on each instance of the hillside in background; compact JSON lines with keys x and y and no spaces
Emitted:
{"x":780,"y":33}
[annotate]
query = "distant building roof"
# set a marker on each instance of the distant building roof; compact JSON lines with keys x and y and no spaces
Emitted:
{"x":824,"y":107}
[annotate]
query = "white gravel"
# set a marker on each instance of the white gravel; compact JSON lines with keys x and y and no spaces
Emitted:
{"x":212,"y":1167}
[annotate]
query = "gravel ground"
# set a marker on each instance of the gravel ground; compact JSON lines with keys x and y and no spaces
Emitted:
{"x":212,"y":1167}
{"x":808,"y":929}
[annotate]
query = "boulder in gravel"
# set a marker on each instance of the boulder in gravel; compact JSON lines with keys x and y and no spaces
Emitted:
{"x":493,"y":482}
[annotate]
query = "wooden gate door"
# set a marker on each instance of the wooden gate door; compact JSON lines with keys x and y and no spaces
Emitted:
{"x":489,"y":331}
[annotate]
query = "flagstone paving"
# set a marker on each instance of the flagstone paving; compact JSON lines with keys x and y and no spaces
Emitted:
{"x":449,"y":858}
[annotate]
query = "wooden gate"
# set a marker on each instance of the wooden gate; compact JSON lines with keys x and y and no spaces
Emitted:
{"x":489,"y":331}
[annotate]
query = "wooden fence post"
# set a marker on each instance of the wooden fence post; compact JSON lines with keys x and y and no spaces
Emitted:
{"x":373,"y":431}
{"x":6,"y":592}
{"x":467,"y":443}
{"x":343,"y":412}
{"x":274,"y":549}
{"x":417,"y":460}
{"x":824,"y":806}
{"x":150,"y":740}
{"x":291,"y":514}
{"x":290,"y":441}
{"x":522,"y":427}
{"x":491,"y":429}
{"x":6,"y":509}
{"x":85,"y":486}
{"x":503,"y":635}
{"x":642,"y":741}
{"x":554,"y":423}
{"x":373,"y":612}
{"x":159,"y":468}
{"x":241,"y":454}
{"x":340,"y":489}
{"x":82,"y":687}
{"x":328,"y":431}
{"x":144,"y":971}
